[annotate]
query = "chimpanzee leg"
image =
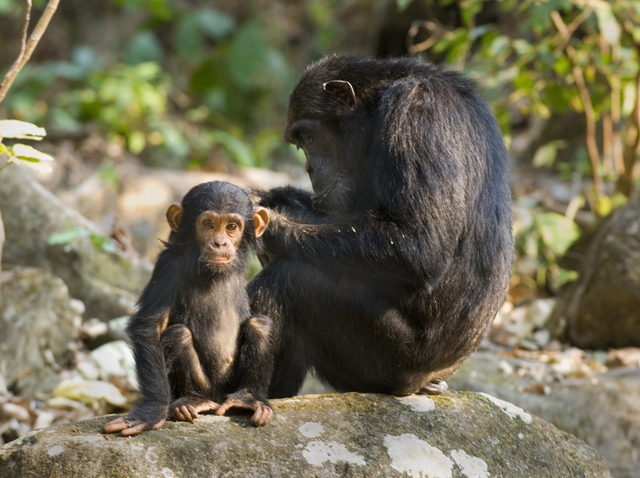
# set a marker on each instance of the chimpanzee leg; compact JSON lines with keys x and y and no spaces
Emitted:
{"x":190,"y":387}
{"x":354,"y":338}
{"x":268,"y":293}
{"x":255,"y":355}
{"x":254,"y":365}
{"x":185,"y":371}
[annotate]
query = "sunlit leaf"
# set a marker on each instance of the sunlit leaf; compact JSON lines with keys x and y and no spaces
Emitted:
{"x":33,"y":164}
{"x":556,"y":231}
{"x":546,"y":154}
{"x":609,"y":26}
{"x":136,"y":142}
{"x":102,"y":242}
{"x":21,"y":130}
{"x":22,"y":151}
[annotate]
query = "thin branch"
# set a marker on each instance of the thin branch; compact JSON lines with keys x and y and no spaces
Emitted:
{"x":25,"y":30}
{"x":416,"y":26}
{"x":632,"y":143}
{"x":592,"y":146}
{"x":581,"y":84}
{"x":30,"y":46}
{"x":565,"y":31}
{"x":616,"y":90}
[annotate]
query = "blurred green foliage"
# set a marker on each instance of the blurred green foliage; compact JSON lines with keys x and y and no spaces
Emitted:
{"x":541,"y":239}
{"x":546,"y":58}
{"x":191,"y":86}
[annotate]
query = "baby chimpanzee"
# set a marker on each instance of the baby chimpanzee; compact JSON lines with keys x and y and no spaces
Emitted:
{"x":194,"y":339}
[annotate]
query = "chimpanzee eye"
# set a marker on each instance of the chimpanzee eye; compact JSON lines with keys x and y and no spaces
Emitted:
{"x":301,"y":137}
{"x":207,"y":224}
{"x":305,"y":138}
{"x":232,"y":226}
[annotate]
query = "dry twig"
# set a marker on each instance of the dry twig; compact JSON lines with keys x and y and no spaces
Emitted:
{"x":28,"y":47}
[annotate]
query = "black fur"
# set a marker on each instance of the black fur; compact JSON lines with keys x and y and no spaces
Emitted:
{"x":387,"y":277}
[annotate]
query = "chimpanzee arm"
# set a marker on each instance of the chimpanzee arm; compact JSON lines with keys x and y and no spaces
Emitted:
{"x":144,"y":330}
{"x":363,"y":244}
{"x":287,"y":198}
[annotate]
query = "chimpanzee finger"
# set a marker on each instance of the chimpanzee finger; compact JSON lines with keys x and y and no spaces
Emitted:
{"x":262,"y":416}
{"x":135,"y":429}
{"x":116,"y":425}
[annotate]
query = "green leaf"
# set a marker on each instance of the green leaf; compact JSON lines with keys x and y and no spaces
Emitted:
{"x":21,"y":130}
{"x":5,"y":6}
{"x":144,"y":47}
{"x":136,"y":142}
{"x":187,"y":39}
{"x":239,"y":150}
{"x":556,"y":232}
{"x":68,"y":235}
{"x":215,"y":24}
{"x":103,"y":243}
{"x":247,"y":55}
{"x":546,"y":154}
{"x":499,"y":45}
{"x":403,"y":4}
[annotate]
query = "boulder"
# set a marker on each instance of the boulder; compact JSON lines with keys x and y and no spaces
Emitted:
{"x":456,"y":435}
{"x":108,"y":282}
{"x":37,"y":321}
{"x":599,"y":408}
{"x":601,"y":309}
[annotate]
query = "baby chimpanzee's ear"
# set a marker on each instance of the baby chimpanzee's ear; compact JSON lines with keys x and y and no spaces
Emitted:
{"x":260,"y":220}
{"x":174,"y":214}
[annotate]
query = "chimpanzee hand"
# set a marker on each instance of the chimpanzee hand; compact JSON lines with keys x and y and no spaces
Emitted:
{"x":131,"y":426}
{"x":186,"y":409}
{"x":288,"y":200}
{"x":244,"y":399}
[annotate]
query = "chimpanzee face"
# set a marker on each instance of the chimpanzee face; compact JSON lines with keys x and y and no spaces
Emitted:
{"x":330,"y":170}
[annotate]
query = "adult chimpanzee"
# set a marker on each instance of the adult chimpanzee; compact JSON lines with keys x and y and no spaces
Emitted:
{"x":194,"y":338}
{"x":387,"y":276}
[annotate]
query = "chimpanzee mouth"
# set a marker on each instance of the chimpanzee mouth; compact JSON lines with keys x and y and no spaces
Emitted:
{"x":215,"y":262}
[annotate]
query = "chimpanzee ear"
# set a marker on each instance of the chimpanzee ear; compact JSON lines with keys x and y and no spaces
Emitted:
{"x":260,"y":220}
{"x":174,"y":214}
{"x":343,"y":90}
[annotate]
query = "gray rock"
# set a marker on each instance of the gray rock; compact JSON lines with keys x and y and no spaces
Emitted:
{"x":601,"y":409}
{"x":602,"y":307}
{"x":107,"y":282}
{"x":37,"y":321}
{"x":457,"y":435}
